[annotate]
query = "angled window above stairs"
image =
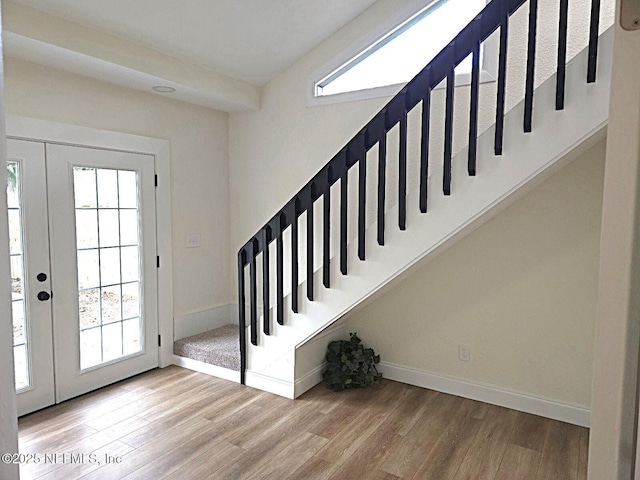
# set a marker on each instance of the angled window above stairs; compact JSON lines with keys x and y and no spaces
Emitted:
{"x":382,"y":63}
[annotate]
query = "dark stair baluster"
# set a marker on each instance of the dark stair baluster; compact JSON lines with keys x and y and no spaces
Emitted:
{"x":382,"y":180}
{"x":362,"y":202}
{"x":448,"y":132}
{"x":253,"y":294}
{"x":473,"y":108}
{"x":402,"y":187}
{"x":343,"y":222}
{"x":593,"y":41}
{"x":531,"y":65}
{"x":266,"y":238}
{"x":280,"y":274}
{"x":502,"y":78}
{"x":294,"y":259}
{"x":326,"y":234}
{"x":424,"y":150}
{"x":310,"y":245}
{"x":562,"y":54}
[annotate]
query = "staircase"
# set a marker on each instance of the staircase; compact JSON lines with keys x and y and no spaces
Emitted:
{"x":279,"y":318}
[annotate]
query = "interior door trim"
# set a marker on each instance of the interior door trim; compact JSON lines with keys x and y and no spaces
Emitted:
{"x":59,"y":133}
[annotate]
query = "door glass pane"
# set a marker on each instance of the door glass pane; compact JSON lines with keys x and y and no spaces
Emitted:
{"x":130,"y":264}
{"x":86,"y":194}
{"x":89,"y":303}
{"x":90,"y":347}
{"x":128,"y":227}
{"x":18,"y":311}
{"x":131,"y":336}
{"x":111,"y":304}
{"x":131,"y":299}
{"x":107,"y":188}
{"x":87,"y":228}
{"x":88,"y":269}
{"x":109,"y":280}
{"x":109,"y":227}
{"x":109,"y":266}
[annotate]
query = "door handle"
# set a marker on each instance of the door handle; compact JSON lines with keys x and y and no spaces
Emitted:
{"x":43,"y":296}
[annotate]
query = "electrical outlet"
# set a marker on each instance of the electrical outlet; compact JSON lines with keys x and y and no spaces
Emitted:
{"x":464,"y":353}
{"x":193,"y":240}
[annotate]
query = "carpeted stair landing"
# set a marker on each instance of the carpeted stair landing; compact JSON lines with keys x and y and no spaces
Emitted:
{"x":220,"y":347}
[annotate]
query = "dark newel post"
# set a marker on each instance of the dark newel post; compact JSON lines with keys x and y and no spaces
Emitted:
{"x":241,"y":316}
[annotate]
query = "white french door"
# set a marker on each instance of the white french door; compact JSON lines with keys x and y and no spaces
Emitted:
{"x":83,"y":243}
{"x":29,"y":239}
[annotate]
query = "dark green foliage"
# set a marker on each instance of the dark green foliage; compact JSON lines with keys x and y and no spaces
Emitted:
{"x":12,"y":175}
{"x":350,"y":365}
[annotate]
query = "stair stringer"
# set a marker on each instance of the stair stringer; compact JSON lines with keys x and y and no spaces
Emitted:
{"x":527,"y":160}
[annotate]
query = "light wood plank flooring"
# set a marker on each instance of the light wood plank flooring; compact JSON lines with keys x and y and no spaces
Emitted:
{"x":178,"y":424}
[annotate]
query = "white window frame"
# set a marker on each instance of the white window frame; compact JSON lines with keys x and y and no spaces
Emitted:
{"x":488,"y":71}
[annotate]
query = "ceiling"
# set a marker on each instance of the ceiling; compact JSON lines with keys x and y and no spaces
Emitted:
{"x":248,"y":40}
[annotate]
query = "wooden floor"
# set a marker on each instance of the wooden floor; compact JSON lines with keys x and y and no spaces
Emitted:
{"x":178,"y":424}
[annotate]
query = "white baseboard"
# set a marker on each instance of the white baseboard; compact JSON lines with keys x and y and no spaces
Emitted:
{"x":489,"y":394}
{"x":310,"y":358}
{"x":270,"y":384}
{"x":207,"y":368}
{"x":310,"y":380}
{"x":198,"y":322}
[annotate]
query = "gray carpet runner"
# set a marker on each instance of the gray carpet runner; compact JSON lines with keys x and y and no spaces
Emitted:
{"x":219,"y":347}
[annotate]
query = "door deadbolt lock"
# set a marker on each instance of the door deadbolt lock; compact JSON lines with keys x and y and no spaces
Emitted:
{"x":42,"y":277}
{"x":43,"y":296}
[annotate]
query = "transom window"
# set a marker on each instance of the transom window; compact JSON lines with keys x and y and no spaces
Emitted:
{"x":400,"y":54}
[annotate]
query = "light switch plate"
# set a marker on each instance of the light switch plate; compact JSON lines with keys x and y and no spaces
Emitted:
{"x":193,"y":240}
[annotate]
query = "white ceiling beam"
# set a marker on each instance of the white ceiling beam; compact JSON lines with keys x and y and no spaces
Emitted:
{"x":39,"y":37}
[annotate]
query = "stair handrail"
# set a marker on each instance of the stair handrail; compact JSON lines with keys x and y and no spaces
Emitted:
{"x":495,"y":15}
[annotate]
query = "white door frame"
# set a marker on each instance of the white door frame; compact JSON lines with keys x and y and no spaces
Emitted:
{"x":64,"y":134}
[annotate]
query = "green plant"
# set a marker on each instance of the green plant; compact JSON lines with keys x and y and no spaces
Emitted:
{"x":350,"y":365}
{"x":12,"y":175}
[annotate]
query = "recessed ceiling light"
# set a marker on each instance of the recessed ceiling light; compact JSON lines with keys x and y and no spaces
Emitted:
{"x":163,"y":89}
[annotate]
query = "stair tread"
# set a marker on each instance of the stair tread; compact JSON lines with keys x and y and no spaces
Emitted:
{"x":219,"y":346}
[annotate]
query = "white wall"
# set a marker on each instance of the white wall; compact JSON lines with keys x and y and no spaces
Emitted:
{"x":273,"y":152}
{"x":199,"y":173}
{"x":8,"y":415}
{"x":520,"y":291}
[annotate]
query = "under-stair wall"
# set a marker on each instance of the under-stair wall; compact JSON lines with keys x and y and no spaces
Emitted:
{"x":526,"y":157}
{"x":520,"y":292}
